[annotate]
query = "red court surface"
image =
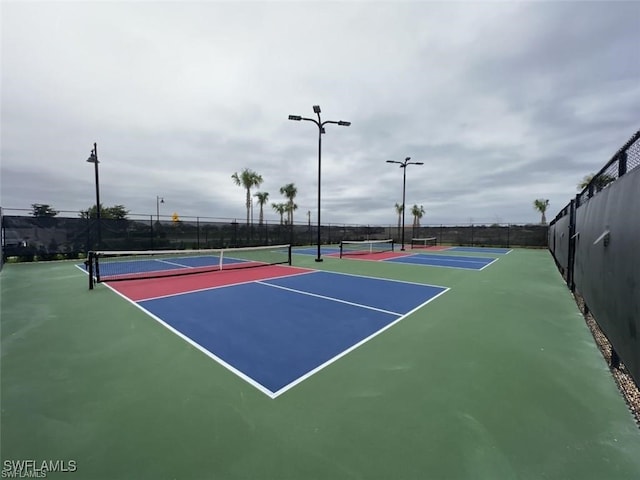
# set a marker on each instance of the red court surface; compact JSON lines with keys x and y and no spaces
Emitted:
{"x":137,"y":290}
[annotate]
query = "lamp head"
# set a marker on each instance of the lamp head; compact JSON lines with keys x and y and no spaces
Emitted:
{"x":295,"y":117}
{"x":343,"y":123}
{"x":92,"y":158}
{"x":316,"y":109}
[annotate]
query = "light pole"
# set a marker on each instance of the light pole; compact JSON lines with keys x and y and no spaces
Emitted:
{"x":320,"y":124}
{"x":159,"y":200}
{"x":93,"y":158}
{"x":403,"y":165}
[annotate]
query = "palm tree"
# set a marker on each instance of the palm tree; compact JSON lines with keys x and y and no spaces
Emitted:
{"x":600,"y":182}
{"x":399,"y":209}
{"x":417,"y":212}
{"x":541,"y":204}
{"x":247,"y":179}
{"x":289,"y":208}
{"x":281,"y":208}
{"x":262,"y":199}
{"x":290,"y":191}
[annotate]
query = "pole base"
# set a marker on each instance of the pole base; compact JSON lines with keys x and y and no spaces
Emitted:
{"x":319,"y":259}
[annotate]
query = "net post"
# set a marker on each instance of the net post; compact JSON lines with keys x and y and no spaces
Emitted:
{"x":289,"y":255}
{"x":341,"y":248}
{"x":89,"y":266}
{"x":221,"y":261}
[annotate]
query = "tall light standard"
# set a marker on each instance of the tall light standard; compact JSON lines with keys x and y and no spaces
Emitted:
{"x":159,"y":200}
{"x":403,"y":165}
{"x":93,"y":158}
{"x":320,"y":124}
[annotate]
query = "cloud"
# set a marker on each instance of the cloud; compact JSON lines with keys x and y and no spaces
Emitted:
{"x":503,"y":102}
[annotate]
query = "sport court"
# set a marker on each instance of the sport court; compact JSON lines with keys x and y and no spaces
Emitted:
{"x":298,"y":322}
{"x":495,"y":377}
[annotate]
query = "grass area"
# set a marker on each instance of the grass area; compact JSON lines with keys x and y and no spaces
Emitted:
{"x":499,"y":378}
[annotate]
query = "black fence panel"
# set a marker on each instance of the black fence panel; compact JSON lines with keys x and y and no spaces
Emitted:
{"x":607,"y":265}
{"x":559,"y":242}
{"x":595,"y":240}
{"x":28,"y":238}
{"x":483,"y":235}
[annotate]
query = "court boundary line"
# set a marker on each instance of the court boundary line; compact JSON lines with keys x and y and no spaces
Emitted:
{"x":199,"y":347}
{"x":460,"y":259}
{"x":182,"y":265}
{"x":273,"y":395}
{"x":221,"y":286}
{"x":332,"y":299}
{"x":508,"y":250}
{"x":334,"y":359}
{"x":381,"y":278}
{"x":391,"y":260}
{"x":395,"y":260}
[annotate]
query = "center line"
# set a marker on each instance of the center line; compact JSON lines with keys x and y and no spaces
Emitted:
{"x":302,"y":292}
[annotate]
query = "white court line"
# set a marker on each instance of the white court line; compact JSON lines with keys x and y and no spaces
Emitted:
{"x":215,"y":287}
{"x":298,"y":380}
{"x":380,"y":278}
{"x":333,"y":299}
{"x":195,"y":344}
{"x":448,"y":259}
{"x":437,"y":265}
{"x":352,"y":348}
{"x":172,"y":263}
{"x":490,"y":263}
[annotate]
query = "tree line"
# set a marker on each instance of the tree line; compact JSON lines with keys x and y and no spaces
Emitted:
{"x":117,"y":212}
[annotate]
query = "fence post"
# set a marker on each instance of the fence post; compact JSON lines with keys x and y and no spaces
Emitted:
{"x":622,"y":163}
{"x":572,"y":243}
{"x":198,"y":233}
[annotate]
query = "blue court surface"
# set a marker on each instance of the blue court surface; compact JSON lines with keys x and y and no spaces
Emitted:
{"x":449,"y":261}
{"x":499,"y":251}
{"x":160,"y":264}
{"x":276,"y":332}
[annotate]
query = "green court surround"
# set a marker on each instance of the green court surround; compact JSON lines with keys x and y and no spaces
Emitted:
{"x":497,"y":379}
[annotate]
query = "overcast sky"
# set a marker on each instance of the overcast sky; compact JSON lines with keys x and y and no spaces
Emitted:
{"x":504,"y":102}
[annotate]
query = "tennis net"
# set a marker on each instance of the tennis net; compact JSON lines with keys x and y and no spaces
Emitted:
{"x":365,"y":247}
{"x":112,"y":266}
{"x":423,"y":242}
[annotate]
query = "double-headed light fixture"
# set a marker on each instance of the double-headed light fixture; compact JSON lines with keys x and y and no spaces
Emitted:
{"x":403,"y":165}
{"x":320,"y":124}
